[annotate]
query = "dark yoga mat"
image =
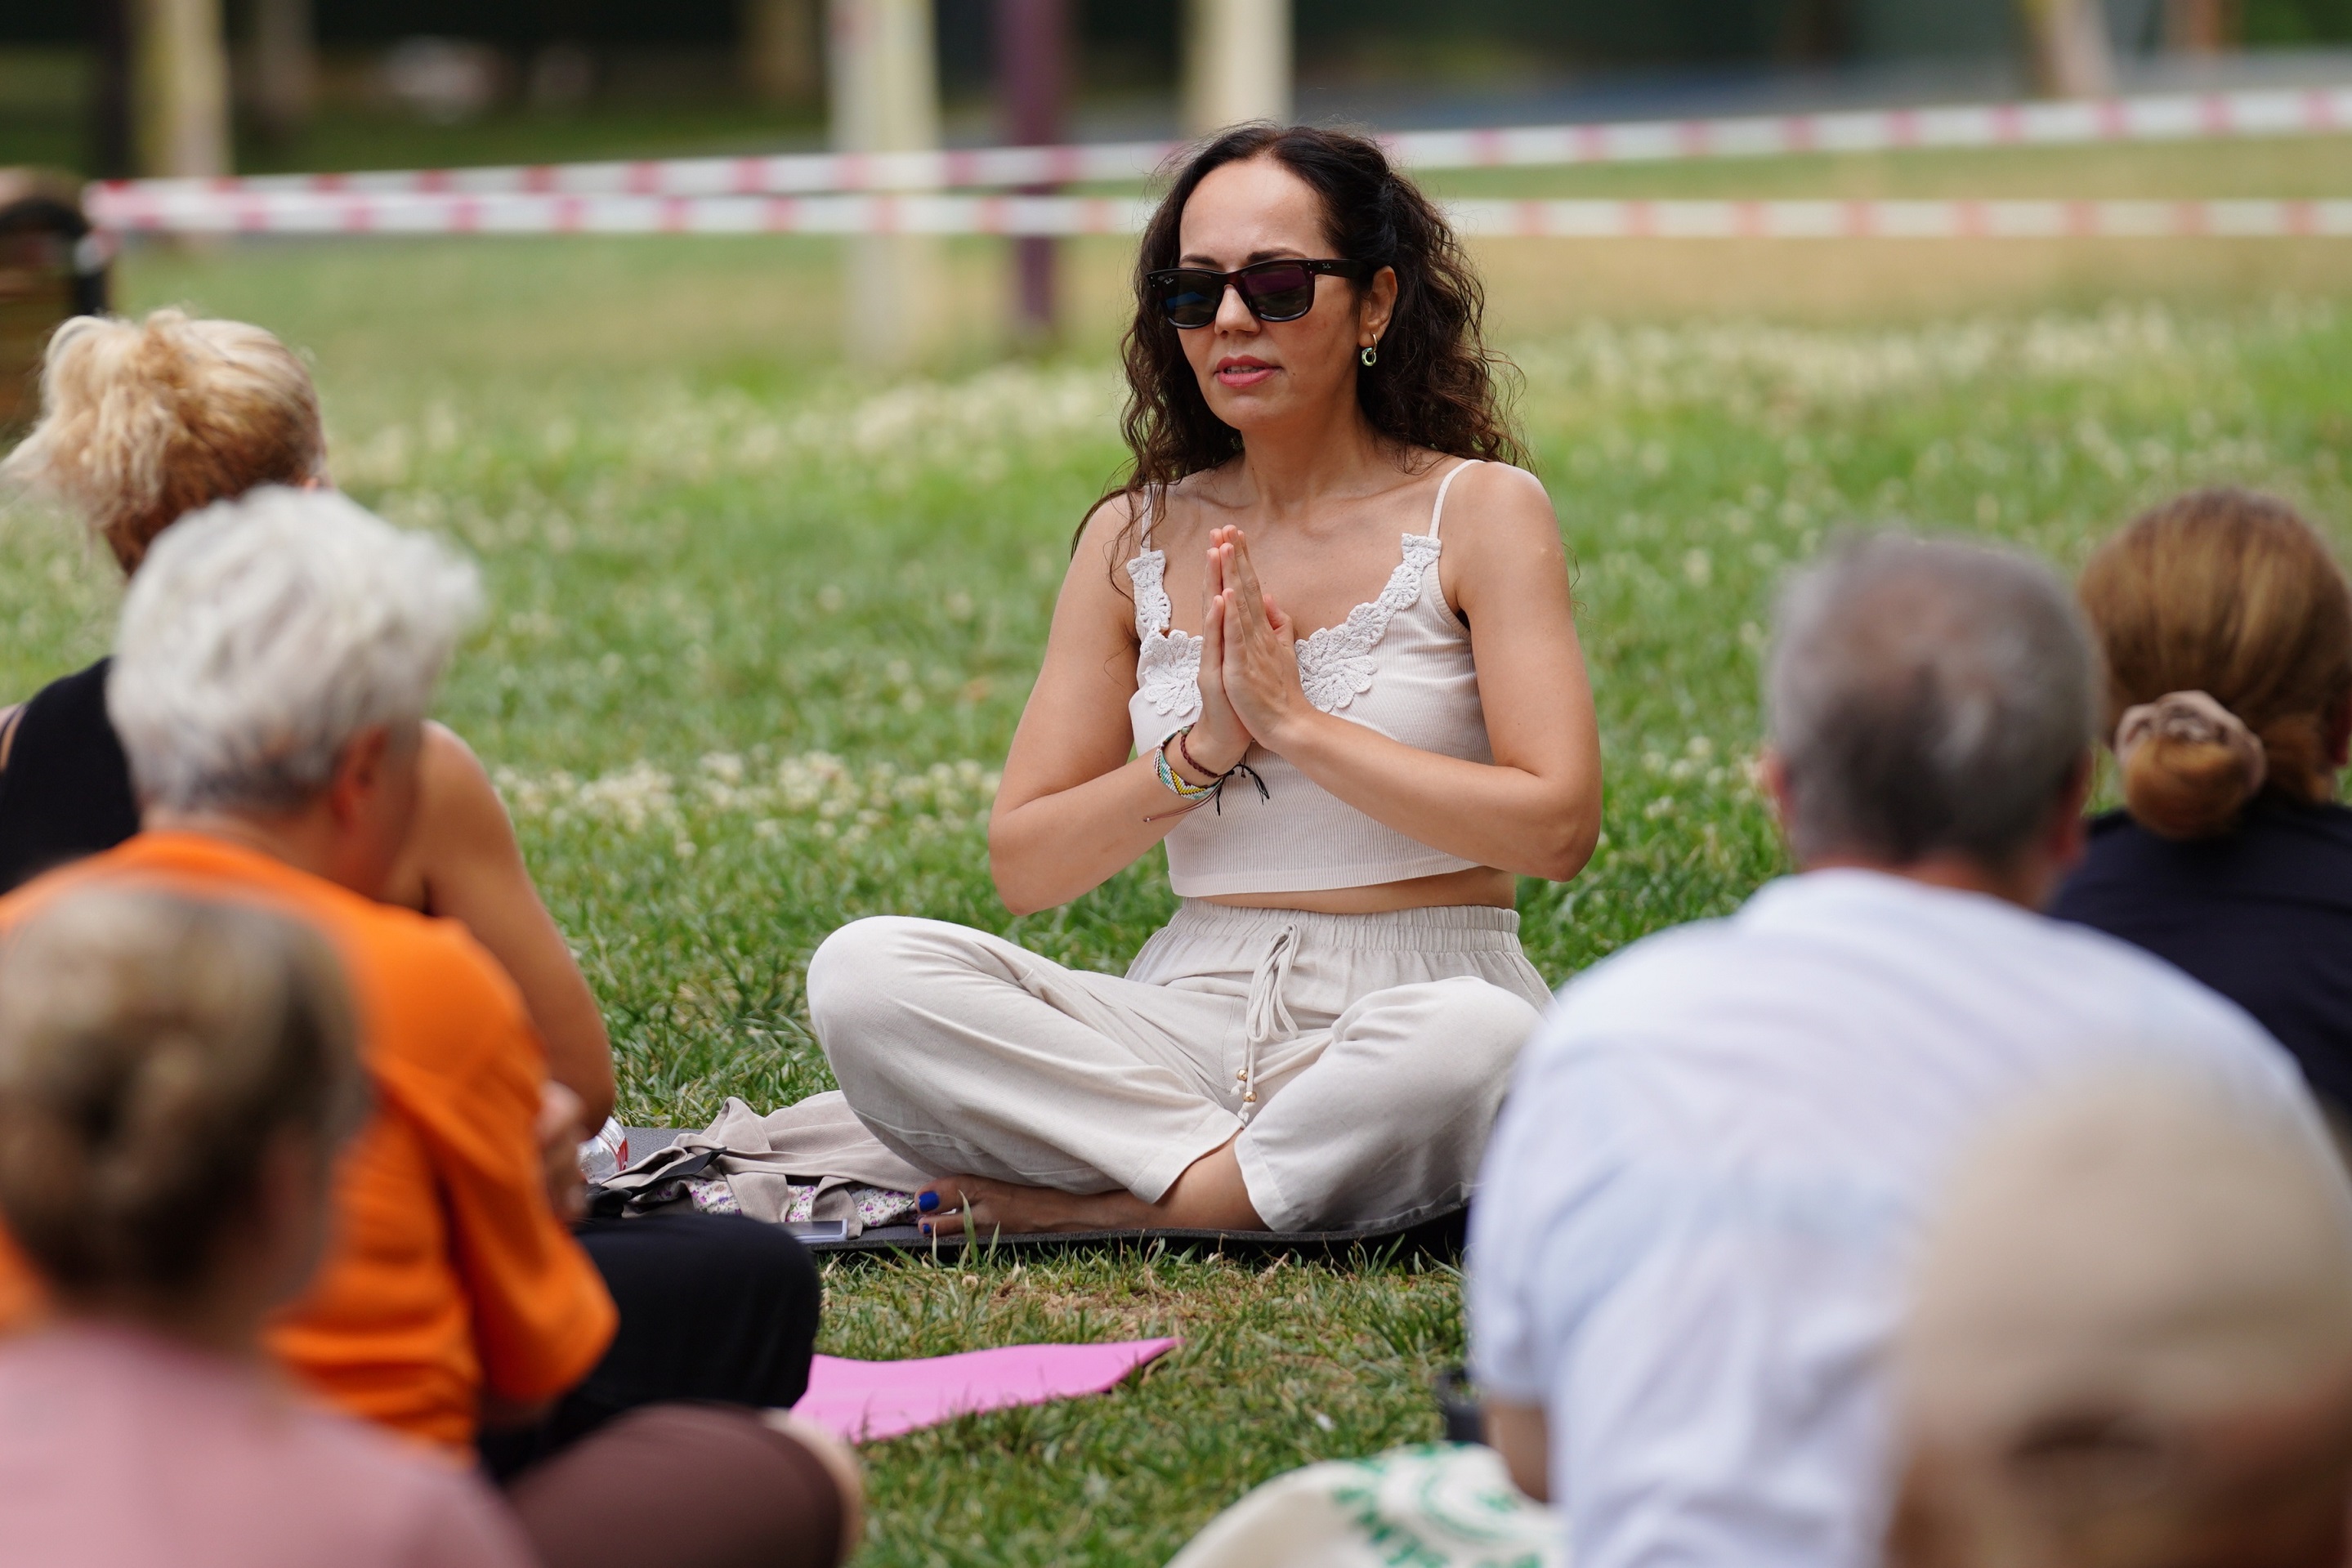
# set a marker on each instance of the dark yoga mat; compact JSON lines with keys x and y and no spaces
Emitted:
{"x":1438,"y":1237}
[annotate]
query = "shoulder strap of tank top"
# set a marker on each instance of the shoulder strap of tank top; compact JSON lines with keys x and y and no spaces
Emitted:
{"x":1437,"y":511}
{"x":1144,"y":524}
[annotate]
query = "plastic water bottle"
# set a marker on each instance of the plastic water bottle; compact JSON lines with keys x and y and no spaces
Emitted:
{"x":606,"y":1155}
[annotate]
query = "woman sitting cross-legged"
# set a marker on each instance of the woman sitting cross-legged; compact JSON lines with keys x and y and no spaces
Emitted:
{"x":1321,"y":644}
{"x":2226,"y":630}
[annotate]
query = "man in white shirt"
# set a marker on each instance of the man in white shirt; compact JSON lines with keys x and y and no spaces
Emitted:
{"x":1688,"y":1251}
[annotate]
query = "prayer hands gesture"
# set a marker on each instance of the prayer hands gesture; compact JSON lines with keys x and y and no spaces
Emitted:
{"x":1249,"y":667}
{"x":1219,"y":740}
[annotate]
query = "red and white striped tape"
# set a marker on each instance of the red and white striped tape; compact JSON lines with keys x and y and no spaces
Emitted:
{"x":2180,"y":117}
{"x":2173,"y":117}
{"x":345,"y":212}
{"x":316,"y":213}
{"x":1997,"y":219}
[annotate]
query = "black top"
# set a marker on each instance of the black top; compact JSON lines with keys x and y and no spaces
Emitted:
{"x":66,"y":792}
{"x":2262,"y":915}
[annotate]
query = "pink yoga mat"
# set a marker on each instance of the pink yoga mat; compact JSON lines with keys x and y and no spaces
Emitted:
{"x":862,"y":1401}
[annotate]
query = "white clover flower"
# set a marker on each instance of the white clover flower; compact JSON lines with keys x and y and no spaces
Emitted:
{"x":943,"y":798}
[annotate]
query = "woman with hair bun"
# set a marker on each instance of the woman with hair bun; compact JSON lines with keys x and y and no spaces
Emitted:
{"x":1320,"y":645}
{"x":141,"y":423}
{"x":2226,"y":627}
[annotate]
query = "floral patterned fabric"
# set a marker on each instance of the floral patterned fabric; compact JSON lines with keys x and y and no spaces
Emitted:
{"x":874,"y":1205}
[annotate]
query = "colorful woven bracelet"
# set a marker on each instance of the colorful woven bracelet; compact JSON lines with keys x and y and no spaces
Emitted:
{"x":1176,"y":781}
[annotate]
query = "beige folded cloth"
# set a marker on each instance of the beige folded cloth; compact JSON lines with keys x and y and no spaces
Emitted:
{"x":819,"y":1141}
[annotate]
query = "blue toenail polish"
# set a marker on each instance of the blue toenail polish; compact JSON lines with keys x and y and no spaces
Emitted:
{"x":926,"y":1230}
{"x":928,"y":1202}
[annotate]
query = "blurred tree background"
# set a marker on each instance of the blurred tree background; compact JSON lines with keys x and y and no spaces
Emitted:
{"x":459,"y":81}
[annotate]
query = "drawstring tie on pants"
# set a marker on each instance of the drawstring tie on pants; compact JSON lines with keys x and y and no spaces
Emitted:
{"x":1268,"y":1018}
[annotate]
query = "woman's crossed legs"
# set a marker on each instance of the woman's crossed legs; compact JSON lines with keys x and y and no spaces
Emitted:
{"x":1242,"y":1087}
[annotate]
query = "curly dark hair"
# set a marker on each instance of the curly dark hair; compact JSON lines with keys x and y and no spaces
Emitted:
{"x":1436,"y":386}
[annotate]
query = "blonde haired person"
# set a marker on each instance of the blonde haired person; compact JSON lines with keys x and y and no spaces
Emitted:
{"x":2226,"y":630}
{"x":144,"y":423}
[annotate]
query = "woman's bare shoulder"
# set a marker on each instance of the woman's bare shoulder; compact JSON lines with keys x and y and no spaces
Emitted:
{"x":1108,"y":539}
{"x":459,"y":804}
{"x":1502,"y":535}
{"x":1499,"y":499}
{"x":1095,"y":604}
{"x":1109,"y":525}
{"x":446,"y":757}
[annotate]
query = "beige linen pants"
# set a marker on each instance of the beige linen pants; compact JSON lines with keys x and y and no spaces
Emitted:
{"x":1362,"y":1058}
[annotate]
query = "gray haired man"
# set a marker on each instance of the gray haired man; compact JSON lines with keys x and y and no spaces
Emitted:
{"x":1688,"y":1252}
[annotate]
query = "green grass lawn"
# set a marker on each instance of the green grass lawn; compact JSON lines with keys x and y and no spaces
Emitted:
{"x":762,"y":627}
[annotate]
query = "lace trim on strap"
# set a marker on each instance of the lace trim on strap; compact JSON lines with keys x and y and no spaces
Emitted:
{"x":1168,"y":672}
{"x":1152,"y":612}
{"x":1167,"y":662}
{"x":1335,"y":663}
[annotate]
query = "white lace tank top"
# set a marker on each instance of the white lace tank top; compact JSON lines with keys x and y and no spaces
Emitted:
{"x":1399,"y":663}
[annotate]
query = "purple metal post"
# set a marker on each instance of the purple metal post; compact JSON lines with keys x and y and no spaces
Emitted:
{"x":1033,"y":45}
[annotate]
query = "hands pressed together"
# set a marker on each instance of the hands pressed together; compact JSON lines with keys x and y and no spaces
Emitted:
{"x":1250,"y":692}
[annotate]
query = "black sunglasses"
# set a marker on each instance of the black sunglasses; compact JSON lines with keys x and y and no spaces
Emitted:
{"x":1274,"y":290}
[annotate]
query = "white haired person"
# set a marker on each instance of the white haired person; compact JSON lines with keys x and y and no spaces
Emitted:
{"x":277,"y":657}
{"x":1321,"y":646}
{"x":1718,"y":1151}
{"x":177,"y":1078}
{"x":2130,"y":1342}
{"x":141,"y":423}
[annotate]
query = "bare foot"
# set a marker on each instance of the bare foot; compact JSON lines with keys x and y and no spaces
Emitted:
{"x":983,"y":1207}
{"x":1209,"y":1196}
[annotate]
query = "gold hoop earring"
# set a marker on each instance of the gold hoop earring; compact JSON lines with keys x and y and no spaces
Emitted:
{"x":1370,"y":356}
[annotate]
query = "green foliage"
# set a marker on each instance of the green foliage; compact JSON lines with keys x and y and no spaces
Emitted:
{"x":2287,"y":23}
{"x":760,"y":633}
{"x":1280,"y":1366}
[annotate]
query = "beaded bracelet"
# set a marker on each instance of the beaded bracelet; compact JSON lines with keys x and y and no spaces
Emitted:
{"x":1184,"y":750}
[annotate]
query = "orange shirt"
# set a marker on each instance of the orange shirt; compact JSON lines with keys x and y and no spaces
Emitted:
{"x":449,"y":1272}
